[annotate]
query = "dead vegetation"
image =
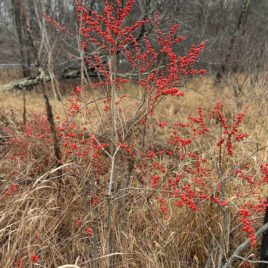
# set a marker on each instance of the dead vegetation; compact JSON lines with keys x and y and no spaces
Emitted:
{"x":48,"y":211}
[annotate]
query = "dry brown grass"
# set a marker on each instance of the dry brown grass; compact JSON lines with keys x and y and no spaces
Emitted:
{"x":8,"y":75}
{"x":40,"y":217}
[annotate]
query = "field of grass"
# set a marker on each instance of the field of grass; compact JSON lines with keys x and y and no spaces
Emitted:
{"x":47,"y":218}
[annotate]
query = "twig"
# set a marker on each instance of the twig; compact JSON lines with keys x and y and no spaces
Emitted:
{"x":244,"y":246}
{"x":249,"y":261}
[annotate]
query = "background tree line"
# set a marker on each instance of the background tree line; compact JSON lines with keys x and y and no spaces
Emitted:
{"x":235,"y":32}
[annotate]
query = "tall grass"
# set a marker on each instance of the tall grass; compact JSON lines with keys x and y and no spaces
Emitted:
{"x":47,"y":213}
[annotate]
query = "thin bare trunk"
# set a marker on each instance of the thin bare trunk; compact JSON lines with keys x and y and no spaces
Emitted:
{"x":241,"y":21}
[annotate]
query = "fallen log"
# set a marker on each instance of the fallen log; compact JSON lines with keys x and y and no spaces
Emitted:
{"x":24,"y":83}
{"x":32,"y":81}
